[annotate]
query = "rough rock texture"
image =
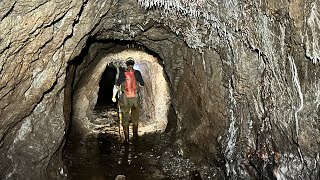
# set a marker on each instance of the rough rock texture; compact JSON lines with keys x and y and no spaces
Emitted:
{"x":243,"y":76}
{"x":37,"y":39}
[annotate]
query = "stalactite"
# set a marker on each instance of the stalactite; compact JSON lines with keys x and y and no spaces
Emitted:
{"x":189,"y":9}
{"x":195,"y":9}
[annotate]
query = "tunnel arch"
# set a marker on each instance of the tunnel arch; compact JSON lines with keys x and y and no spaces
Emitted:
{"x":195,"y":78}
{"x":195,"y":81}
{"x":213,"y":92}
{"x":89,"y":73}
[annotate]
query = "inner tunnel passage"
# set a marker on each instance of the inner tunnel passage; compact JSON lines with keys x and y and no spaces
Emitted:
{"x":98,"y":152}
{"x":105,"y":88}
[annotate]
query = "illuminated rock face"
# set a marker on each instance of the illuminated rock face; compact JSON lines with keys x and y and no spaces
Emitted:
{"x":244,"y":80}
{"x":154,"y":95}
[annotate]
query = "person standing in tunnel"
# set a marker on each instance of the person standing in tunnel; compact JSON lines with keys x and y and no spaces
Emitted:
{"x":129,"y":101}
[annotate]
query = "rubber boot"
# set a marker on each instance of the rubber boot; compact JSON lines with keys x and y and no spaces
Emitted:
{"x":135,"y":132}
{"x":126,"y":135}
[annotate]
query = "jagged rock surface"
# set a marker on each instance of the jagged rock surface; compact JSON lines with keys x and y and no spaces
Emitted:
{"x":244,"y":80}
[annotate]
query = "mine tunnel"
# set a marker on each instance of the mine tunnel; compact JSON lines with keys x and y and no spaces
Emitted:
{"x":95,"y":147}
{"x":231,"y":91}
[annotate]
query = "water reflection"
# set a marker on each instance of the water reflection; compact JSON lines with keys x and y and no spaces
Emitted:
{"x":100,"y":155}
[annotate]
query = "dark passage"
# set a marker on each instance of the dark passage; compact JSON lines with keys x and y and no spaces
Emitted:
{"x":106,"y":86}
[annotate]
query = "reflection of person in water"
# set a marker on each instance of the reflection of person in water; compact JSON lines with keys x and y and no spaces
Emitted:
{"x":129,"y":101}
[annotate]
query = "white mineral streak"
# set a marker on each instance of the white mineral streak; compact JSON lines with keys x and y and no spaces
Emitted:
{"x":282,"y":38}
{"x":24,"y":130}
{"x":317,"y":91}
{"x":296,"y":82}
{"x":98,"y":11}
{"x":312,"y":43}
{"x":232,"y":136}
{"x":203,"y":62}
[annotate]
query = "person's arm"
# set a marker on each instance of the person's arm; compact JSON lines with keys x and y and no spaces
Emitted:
{"x":120,"y":79}
{"x":116,"y":87}
{"x":139,"y":78}
{"x":115,"y":90}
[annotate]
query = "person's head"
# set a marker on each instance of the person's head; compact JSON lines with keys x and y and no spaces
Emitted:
{"x":130,"y":63}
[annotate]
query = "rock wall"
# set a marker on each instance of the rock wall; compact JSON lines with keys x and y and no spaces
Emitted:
{"x":268,"y":53}
{"x":38,"y":38}
{"x":244,"y":79}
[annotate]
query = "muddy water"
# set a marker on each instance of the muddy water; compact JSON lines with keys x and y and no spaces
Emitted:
{"x":101,"y":155}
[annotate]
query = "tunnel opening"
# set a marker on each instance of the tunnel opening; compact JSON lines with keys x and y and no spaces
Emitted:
{"x":106,"y":84}
{"x":94,"y":74}
{"x":95,"y":134}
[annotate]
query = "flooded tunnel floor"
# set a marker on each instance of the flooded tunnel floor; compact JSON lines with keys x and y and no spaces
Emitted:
{"x":101,"y":155}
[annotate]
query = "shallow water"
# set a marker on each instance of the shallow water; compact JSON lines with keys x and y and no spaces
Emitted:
{"x":102,"y":155}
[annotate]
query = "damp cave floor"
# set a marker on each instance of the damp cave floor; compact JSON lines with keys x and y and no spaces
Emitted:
{"x":101,"y":155}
